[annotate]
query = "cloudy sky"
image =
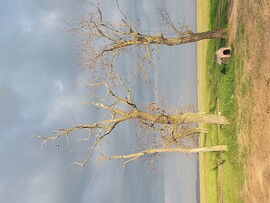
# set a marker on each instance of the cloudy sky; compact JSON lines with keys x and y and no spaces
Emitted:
{"x":40,"y":89}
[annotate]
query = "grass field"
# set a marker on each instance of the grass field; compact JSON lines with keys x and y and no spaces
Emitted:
{"x":221,"y":174}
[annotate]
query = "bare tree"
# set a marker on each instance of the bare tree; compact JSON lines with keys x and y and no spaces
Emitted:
{"x":103,"y":40}
{"x":171,"y":128}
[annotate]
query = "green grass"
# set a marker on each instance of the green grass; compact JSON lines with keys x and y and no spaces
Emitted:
{"x":232,"y":176}
{"x":223,"y":172}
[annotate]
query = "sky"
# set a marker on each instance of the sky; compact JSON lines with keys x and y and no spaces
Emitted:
{"x":40,"y":89}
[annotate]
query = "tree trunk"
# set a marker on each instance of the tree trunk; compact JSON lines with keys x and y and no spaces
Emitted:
{"x":194,"y":37}
{"x":141,"y":39}
{"x":179,"y":118}
{"x":188,"y":38}
{"x":134,"y":156}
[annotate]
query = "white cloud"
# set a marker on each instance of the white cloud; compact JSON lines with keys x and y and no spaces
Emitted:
{"x":59,"y":108}
{"x":59,"y":84}
{"x":26,"y":25}
{"x":50,"y":20}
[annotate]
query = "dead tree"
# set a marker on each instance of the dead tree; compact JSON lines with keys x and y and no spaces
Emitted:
{"x":170,"y":127}
{"x":103,"y":40}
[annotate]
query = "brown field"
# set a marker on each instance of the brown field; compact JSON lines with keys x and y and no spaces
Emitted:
{"x":253,"y":18}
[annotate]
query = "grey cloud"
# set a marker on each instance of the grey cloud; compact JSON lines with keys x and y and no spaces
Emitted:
{"x":40,"y":91}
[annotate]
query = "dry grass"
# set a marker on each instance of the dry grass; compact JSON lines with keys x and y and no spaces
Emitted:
{"x":253,"y":97}
{"x":202,"y":25}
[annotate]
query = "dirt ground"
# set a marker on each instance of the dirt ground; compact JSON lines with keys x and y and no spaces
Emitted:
{"x":254,"y":105}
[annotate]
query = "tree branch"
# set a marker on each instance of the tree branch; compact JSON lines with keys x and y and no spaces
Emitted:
{"x":135,"y":156}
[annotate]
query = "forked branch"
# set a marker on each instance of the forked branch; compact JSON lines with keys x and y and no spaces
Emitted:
{"x":170,"y":128}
